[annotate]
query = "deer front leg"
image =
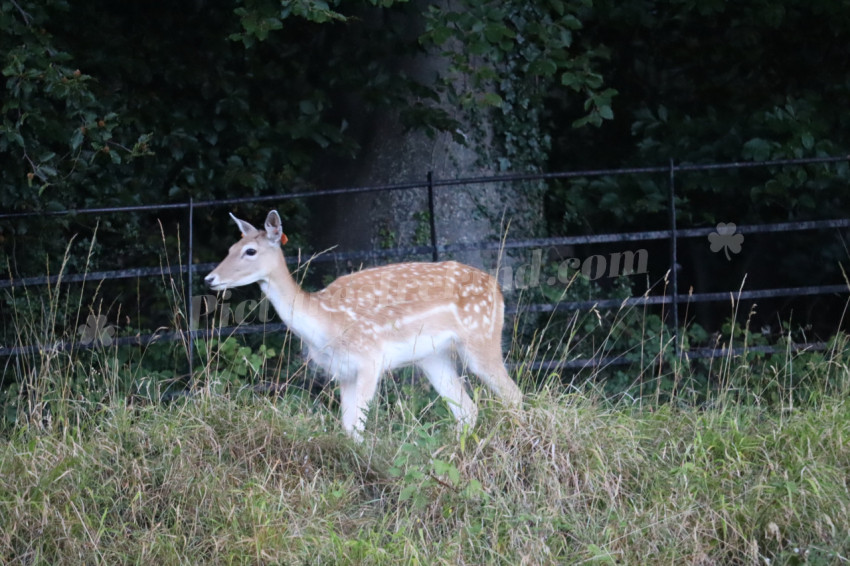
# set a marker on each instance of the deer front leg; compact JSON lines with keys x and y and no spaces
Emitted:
{"x":355,"y":395}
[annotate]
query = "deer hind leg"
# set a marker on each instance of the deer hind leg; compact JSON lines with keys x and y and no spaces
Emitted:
{"x":441,"y":372}
{"x":355,"y":396}
{"x":484,"y":359}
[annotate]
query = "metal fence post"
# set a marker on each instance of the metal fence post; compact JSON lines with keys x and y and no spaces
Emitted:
{"x":435,"y":255}
{"x":674,"y":259}
{"x":191,"y":353}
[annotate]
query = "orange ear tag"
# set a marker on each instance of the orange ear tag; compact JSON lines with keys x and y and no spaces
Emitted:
{"x":283,"y":239}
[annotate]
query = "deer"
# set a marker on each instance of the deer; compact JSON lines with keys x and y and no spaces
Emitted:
{"x":367,"y":323}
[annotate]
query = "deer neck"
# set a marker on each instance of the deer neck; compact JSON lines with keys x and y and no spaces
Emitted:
{"x":297,"y":308}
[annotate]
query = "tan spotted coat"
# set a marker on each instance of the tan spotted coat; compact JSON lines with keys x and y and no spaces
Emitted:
{"x":367,"y":323}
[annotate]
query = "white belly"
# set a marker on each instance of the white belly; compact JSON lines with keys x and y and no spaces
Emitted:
{"x":344,"y":364}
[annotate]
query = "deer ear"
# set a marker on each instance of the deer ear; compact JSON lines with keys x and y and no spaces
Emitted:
{"x":274,"y":230}
{"x":244,"y":227}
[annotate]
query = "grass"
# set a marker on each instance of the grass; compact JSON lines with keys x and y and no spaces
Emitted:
{"x":569,"y":479}
{"x":755,"y":470}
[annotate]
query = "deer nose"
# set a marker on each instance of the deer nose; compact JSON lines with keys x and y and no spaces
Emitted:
{"x":210,"y":279}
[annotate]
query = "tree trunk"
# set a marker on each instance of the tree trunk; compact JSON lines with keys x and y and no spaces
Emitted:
{"x":391,"y":154}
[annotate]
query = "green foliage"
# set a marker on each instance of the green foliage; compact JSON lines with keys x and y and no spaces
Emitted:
{"x":507,"y":59}
{"x":718,"y":82}
{"x":235,"y":364}
{"x":259,"y":18}
{"x":422,"y":234}
{"x":56,"y":129}
{"x":424,"y":479}
{"x":633,"y":352}
{"x":714,"y":82}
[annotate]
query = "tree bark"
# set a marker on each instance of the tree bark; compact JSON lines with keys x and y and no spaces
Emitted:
{"x":464,"y":214}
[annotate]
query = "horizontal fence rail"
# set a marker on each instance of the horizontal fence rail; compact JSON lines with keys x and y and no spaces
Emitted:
{"x":441,"y":249}
{"x":672,"y":234}
{"x":512,"y":178}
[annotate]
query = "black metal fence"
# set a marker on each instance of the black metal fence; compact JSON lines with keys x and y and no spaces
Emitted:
{"x":672,"y":234}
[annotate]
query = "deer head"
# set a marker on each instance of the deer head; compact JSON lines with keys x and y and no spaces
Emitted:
{"x":253,"y":258}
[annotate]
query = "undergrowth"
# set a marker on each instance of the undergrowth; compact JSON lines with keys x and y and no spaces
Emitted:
{"x":570,"y":478}
{"x":748,"y":465}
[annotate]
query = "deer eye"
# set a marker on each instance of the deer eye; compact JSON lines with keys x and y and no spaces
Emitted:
{"x":251,"y":252}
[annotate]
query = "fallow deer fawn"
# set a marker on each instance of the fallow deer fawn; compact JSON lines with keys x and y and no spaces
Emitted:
{"x":372,"y":321}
